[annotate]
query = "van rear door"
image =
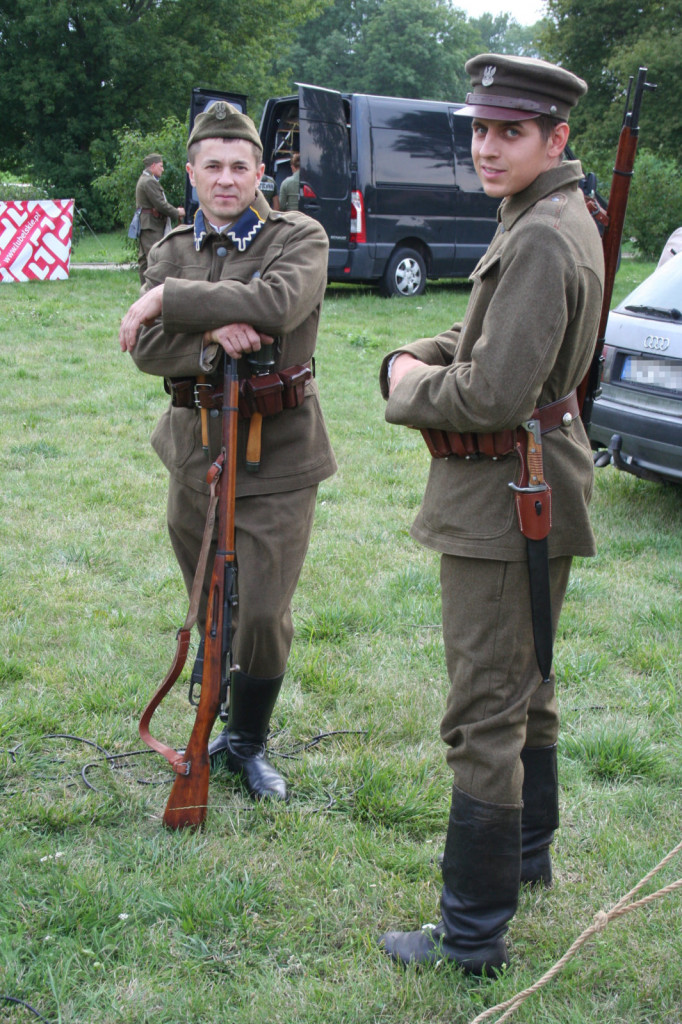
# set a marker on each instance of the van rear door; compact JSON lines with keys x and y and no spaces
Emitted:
{"x":325,"y":166}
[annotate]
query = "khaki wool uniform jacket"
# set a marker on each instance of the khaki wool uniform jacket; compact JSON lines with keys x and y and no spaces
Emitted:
{"x":526,"y":340}
{"x":276,"y":284}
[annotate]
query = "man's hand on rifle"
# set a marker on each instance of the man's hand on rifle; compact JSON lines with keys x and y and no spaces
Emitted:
{"x":144,"y":311}
{"x":238,"y":339}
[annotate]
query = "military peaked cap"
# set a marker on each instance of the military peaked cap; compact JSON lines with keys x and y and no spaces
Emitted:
{"x":223,"y":121}
{"x":507,"y":88}
{"x":152,"y":158}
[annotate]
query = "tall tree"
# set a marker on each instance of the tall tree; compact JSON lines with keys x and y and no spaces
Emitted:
{"x":324,"y":50}
{"x":501,"y":33}
{"x":73,"y":71}
{"x":387,"y":46}
{"x":606,"y":41}
{"x":416,"y":48}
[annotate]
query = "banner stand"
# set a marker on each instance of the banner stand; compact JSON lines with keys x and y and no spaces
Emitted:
{"x":35,"y":239}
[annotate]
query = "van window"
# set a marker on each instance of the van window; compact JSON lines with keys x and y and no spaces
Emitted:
{"x":410,"y":158}
{"x":467,"y":179}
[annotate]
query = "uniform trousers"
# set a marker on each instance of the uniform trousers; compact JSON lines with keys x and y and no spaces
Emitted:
{"x":497,"y":703}
{"x":146,"y":240}
{"x":272,"y":533}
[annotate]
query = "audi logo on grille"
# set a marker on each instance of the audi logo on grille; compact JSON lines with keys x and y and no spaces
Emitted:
{"x":656,"y":344}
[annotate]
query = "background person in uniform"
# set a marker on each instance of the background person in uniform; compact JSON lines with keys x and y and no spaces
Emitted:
{"x":526,"y":341}
{"x":155,"y":210}
{"x":268,"y":187}
{"x":242,"y":276}
{"x":288,"y":190}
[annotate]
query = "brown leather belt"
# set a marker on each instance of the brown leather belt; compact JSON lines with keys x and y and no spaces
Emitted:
{"x":444,"y":443}
{"x":150,"y":209}
{"x":267,"y":394}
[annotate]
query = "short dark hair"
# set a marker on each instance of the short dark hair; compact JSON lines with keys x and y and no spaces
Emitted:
{"x":547,"y":124}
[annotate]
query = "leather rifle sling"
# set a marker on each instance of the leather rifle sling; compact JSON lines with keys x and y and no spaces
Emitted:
{"x":183,"y":637}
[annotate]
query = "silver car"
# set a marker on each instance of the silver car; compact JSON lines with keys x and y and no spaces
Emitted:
{"x":637,"y":421}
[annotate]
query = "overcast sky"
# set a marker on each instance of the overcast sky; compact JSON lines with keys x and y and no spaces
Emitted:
{"x":526,"y":12}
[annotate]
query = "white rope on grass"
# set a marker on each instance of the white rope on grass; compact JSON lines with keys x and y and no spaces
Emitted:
{"x":599,"y":923}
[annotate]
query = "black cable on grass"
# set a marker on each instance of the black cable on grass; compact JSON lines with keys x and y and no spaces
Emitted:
{"x":21,"y":1002}
{"x":293,"y":753}
{"x":299,"y":748}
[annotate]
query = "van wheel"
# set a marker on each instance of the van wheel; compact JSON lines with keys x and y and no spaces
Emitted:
{"x":405,"y":274}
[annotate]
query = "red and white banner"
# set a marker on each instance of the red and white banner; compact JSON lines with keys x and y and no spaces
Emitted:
{"x":35,"y":239}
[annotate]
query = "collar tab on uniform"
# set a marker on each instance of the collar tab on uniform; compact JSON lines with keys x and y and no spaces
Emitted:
{"x":242,"y":232}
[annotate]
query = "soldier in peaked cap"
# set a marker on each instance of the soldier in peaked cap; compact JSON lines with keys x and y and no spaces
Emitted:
{"x":476,"y":391}
{"x":155,"y":211}
{"x":242,"y":277}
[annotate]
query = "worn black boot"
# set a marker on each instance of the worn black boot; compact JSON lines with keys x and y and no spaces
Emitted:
{"x":241,"y":744}
{"x":480,"y":891}
{"x":540,"y":815}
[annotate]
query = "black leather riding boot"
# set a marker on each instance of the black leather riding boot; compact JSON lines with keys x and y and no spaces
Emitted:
{"x":241,"y":744}
{"x":480,"y":892}
{"x":540,"y":815}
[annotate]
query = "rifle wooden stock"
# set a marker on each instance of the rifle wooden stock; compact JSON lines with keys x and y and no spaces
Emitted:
{"x":613,"y":235}
{"x":188,"y":801}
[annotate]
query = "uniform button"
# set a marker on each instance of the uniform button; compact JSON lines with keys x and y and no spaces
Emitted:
{"x":214,"y":413}
{"x":221,"y":251}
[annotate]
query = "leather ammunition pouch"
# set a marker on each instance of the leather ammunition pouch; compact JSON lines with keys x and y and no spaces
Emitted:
{"x":268,"y":394}
{"x":444,"y":443}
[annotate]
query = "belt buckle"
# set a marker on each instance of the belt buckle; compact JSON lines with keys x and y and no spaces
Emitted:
{"x":197,"y":386}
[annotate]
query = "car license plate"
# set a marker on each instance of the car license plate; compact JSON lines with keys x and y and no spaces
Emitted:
{"x":663,"y":374}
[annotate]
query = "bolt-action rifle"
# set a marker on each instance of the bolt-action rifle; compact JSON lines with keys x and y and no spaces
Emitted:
{"x":590,"y":388}
{"x":188,"y":800}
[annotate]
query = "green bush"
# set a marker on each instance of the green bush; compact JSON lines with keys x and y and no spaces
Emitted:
{"x":655,"y":203}
{"x":16,"y":190}
{"x":118,"y":184}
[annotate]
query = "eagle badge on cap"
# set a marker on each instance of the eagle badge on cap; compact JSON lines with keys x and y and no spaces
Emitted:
{"x":489,"y":75}
{"x":220,"y":110}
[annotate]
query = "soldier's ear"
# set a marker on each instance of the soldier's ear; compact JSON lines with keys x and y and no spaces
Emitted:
{"x":558,"y":139}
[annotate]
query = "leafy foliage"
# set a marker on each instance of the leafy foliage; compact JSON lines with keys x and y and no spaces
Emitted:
{"x":606,"y":41}
{"x":10,"y":189}
{"x":500,"y":33}
{"x":654,"y":204}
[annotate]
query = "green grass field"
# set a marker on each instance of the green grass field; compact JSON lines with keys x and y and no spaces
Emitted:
{"x":108,"y":247}
{"x":269,"y":915}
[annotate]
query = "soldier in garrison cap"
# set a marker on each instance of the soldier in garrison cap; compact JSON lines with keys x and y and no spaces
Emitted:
{"x":243,"y":280}
{"x":155,"y":211}
{"x":484,"y":393}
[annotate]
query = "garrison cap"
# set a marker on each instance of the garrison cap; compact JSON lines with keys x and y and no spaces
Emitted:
{"x":507,"y":88}
{"x":152,"y":158}
{"x":223,"y":121}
